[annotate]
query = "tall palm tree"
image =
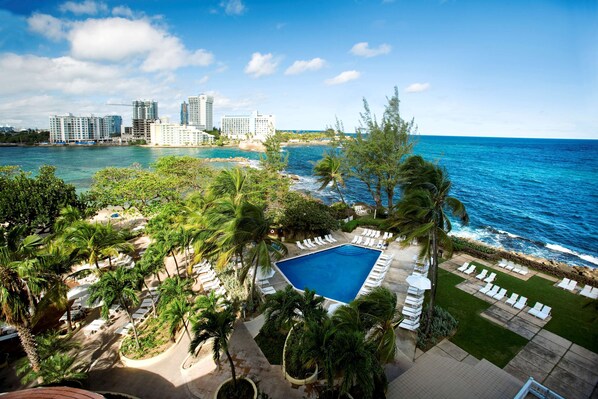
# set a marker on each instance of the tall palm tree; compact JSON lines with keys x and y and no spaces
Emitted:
{"x":174,"y":314}
{"x":253,"y":227}
{"x":378,"y":313}
{"x":66,"y":218}
{"x":117,"y":287}
{"x":174,"y":288}
{"x":17,"y":305}
{"x":218,"y":326}
{"x":423,"y":213}
{"x":280,"y":309}
{"x":329,"y":170}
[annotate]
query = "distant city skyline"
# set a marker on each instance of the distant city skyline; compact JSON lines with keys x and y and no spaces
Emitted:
{"x":462,"y":68}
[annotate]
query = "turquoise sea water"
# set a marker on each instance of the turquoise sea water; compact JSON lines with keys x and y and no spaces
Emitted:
{"x":336,"y":273}
{"x":534,"y":196}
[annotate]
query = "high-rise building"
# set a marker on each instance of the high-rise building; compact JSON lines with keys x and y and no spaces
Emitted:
{"x":71,"y":129}
{"x":165,"y":133}
{"x":253,"y":127}
{"x":144,"y":113}
{"x":201,"y":109}
{"x":184,"y":113}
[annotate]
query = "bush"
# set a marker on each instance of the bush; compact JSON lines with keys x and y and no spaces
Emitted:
{"x":153,"y":340}
{"x":271,"y":344}
{"x":303,"y":215}
{"x":293,"y":364}
{"x":366,"y":221}
{"x":460,"y":244}
{"x":443,"y":325}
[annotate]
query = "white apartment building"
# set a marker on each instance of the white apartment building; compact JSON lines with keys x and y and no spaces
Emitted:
{"x":70,"y":129}
{"x":172,"y":134}
{"x":248,"y":127}
{"x":200,"y":111}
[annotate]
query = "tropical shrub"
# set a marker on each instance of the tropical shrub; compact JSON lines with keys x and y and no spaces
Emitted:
{"x":460,"y":244}
{"x":305,"y":216}
{"x":443,"y":325}
{"x":366,"y":221}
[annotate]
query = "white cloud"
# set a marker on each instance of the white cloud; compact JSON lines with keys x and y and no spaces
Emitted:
{"x":233,"y":7}
{"x":122,"y":11}
{"x":204,"y":79}
{"x":48,"y":26}
{"x":88,"y":7}
{"x":343,"y":77}
{"x":261,"y":65}
{"x":417,"y":87}
{"x":29,"y":73}
{"x":117,"y":39}
{"x":363,"y":49}
{"x":304,"y":66}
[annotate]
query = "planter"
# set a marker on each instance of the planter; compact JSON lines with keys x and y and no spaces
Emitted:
{"x":238,"y":379}
{"x":309,"y":380}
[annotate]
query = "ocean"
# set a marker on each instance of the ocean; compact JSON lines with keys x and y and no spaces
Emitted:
{"x":536,"y":196}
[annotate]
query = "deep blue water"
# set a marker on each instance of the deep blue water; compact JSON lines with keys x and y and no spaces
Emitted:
{"x":535,"y":196}
{"x":336,"y":273}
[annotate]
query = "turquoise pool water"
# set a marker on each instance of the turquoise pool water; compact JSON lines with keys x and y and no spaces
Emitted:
{"x":336,"y":273}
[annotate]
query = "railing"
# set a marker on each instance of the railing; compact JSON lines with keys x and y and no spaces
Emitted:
{"x":538,"y":390}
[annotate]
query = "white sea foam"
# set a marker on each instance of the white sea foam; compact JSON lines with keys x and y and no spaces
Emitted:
{"x":509,"y":234}
{"x":559,"y":248}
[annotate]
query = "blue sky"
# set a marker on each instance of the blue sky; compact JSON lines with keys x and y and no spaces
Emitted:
{"x":474,"y":68}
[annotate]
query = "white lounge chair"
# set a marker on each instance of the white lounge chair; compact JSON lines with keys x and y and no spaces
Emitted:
{"x":463,"y":267}
{"x":512,"y":299}
{"x":493,"y":291}
{"x":365,"y":232}
{"x":301,"y":247}
{"x":523,"y":270}
{"x":502,"y":263}
{"x":413,"y":300}
{"x":470,"y":270}
{"x":355,"y":239}
{"x":586,"y":291}
{"x":571,"y":286}
{"x":267,"y":290}
{"x":501,"y":294}
{"x":329,"y":238}
{"x":307,"y":244}
{"x":536,"y":309}
{"x":490,"y":278}
{"x":544,"y":313}
{"x":410,"y":325}
{"x":359,"y":240}
{"x":564,"y":283}
{"x":312,"y":244}
{"x":482,"y":275}
{"x":594,"y":293}
{"x":412,"y":312}
{"x":373,"y":243}
{"x":520,"y":303}
{"x":510,"y":265}
{"x":377,"y":234}
{"x":486,"y":288}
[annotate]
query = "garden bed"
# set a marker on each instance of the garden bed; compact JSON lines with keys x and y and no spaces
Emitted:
{"x":271,"y":344}
{"x":154,"y":339}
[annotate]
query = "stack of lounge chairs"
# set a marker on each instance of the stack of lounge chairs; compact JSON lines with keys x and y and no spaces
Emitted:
{"x":412,"y":309}
{"x":209,"y":280}
{"x":589,"y":291}
{"x":377,"y":274}
{"x":493,"y":291}
{"x":540,"y":311}
{"x":567,"y":284}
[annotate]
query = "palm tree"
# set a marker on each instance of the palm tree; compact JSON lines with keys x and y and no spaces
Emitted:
{"x":378,"y":313}
{"x":117,"y":287}
{"x":422,"y":213}
{"x":57,"y":262}
{"x":95,"y":241}
{"x":174,"y":315}
{"x":174,"y":288}
{"x":329,"y":170}
{"x":253,"y":227}
{"x":17,"y":304}
{"x":66,"y":218}
{"x":280,"y":309}
{"x":218,"y":326}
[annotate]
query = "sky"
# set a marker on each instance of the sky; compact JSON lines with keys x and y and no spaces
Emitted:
{"x":464,"y":68}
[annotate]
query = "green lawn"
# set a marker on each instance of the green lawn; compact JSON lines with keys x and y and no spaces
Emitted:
{"x":478,"y":336}
{"x":574,"y":317}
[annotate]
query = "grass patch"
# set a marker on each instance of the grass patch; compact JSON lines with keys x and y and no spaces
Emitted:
{"x":478,"y":336}
{"x":153,"y":340}
{"x":574,"y":317}
{"x":271,"y":344}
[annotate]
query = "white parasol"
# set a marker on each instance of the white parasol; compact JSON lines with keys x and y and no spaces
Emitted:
{"x":419,"y":282}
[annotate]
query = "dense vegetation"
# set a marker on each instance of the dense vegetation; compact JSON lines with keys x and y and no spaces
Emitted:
{"x":28,"y":137}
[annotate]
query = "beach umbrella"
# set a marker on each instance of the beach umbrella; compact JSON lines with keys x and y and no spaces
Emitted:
{"x":419,"y":282}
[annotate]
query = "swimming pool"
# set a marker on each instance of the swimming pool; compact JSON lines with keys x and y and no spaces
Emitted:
{"x":336,"y":273}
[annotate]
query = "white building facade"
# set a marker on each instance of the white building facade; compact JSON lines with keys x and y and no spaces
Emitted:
{"x":172,"y":134}
{"x":201,"y":111}
{"x":248,"y":127}
{"x":72,"y":129}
